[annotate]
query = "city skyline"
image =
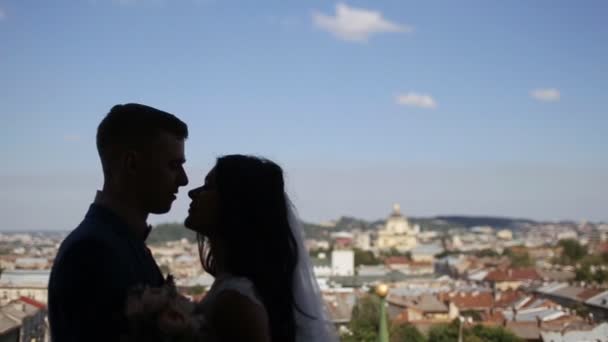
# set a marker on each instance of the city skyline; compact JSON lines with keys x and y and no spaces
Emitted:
{"x":485,"y":109}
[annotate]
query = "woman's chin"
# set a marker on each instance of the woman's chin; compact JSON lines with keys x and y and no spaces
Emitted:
{"x":188,"y":223}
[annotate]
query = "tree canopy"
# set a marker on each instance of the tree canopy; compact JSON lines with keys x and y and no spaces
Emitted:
{"x":572,"y":251}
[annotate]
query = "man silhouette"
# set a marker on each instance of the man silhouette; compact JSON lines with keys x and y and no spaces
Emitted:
{"x":142,"y":155}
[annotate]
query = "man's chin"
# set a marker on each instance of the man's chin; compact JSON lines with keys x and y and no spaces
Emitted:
{"x":161,"y":210}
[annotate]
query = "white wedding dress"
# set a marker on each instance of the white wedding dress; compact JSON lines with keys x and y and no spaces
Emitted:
{"x":243,"y":286}
{"x":225,"y":282}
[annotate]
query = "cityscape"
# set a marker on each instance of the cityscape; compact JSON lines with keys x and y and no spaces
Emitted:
{"x":446,"y":277}
{"x":444,"y":156}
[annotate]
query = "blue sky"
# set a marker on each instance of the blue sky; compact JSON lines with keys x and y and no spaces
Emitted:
{"x":469,"y":107}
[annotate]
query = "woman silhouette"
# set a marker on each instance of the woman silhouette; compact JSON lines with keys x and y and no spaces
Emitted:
{"x":250,"y":241}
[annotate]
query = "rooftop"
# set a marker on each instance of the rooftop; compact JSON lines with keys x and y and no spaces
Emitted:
{"x":25,"y":278}
{"x":424,"y":303}
{"x":599,"y":333}
{"x":470,"y":300}
{"x":513,"y":274}
{"x":599,"y":300}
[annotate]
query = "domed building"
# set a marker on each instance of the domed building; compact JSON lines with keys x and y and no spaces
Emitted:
{"x":397,"y":233}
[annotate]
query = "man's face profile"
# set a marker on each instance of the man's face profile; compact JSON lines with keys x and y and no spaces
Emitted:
{"x":161,"y":173}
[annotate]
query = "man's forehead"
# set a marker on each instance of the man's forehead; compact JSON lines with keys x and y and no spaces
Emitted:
{"x":168,"y":139}
{"x":168,"y":143}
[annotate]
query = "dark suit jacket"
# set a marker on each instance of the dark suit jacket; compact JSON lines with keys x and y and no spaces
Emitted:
{"x":94,"y":269}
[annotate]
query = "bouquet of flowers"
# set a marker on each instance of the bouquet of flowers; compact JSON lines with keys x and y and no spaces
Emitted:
{"x":163,"y":315}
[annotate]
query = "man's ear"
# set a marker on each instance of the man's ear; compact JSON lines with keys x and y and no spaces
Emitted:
{"x":130,"y":162}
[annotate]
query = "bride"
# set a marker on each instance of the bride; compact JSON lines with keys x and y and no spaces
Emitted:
{"x":251,"y":242}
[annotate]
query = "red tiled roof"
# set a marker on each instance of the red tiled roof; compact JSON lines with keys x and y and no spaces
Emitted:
{"x":426,"y":303}
{"x":539,"y":302}
{"x":507,"y":298}
{"x":402,"y":317}
{"x":403,"y":261}
{"x":495,"y":317}
{"x":470,"y":301}
{"x":563,"y":321}
{"x":393,"y":260}
{"x":32,"y":302}
{"x":602,"y":248}
{"x":421,"y":264}
{"x":588,"y":293}
{"x":513,"y":274}
{"x":518,"y":249}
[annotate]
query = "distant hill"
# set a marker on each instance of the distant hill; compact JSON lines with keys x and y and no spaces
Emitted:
{"x":350,"y":223}
{"x":345,"y":223}
{"x":170,"y":232}
{"x":176,"y":231}
{"x":496,"y":222}
{"x":315,"y":231}
{"x":439,"y":223}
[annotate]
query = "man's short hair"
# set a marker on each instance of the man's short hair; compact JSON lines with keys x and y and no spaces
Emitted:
{"x":134,"y":125}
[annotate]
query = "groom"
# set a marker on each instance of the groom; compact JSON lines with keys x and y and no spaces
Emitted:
{"x":142,"y":155}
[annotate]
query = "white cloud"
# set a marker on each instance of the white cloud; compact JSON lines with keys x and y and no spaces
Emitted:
{"x":546,"y":94}
{"x":355,"y":24}
{"x":416,"y":100}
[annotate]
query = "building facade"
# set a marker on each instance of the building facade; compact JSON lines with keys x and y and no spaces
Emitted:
{"x":397,"y":233}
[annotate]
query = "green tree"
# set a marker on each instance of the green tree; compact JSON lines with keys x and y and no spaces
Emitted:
{"x":600,"y":276}
{"x":444,"y":332}
{"x":170,"y":232}
{"x":592,"y":260}
{"x":4,"y":250}
{"x":492,"y":334}
{"x":478,"y":333}
{"x":518,"y":259}
{"x":521,"y":260}
{"x":315,"y":252}
{"x":581,"y":310}
{"x":472,"y":338}
{"x":365,"y":257}
{"x":572,"y":251}
{"x":406,"y":333}
{"x":364,"y":322}
{"x":395,"y":252}
{"x":486,"y":253}
{"x":584,"y":274}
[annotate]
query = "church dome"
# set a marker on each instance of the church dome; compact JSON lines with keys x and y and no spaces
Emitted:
{"x":397,"y":223}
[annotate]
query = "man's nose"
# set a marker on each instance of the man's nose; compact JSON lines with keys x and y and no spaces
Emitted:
{"x":183,"y":180}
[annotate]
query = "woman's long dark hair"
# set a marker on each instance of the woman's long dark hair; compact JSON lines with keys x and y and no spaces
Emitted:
{"x":256,"y":238}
